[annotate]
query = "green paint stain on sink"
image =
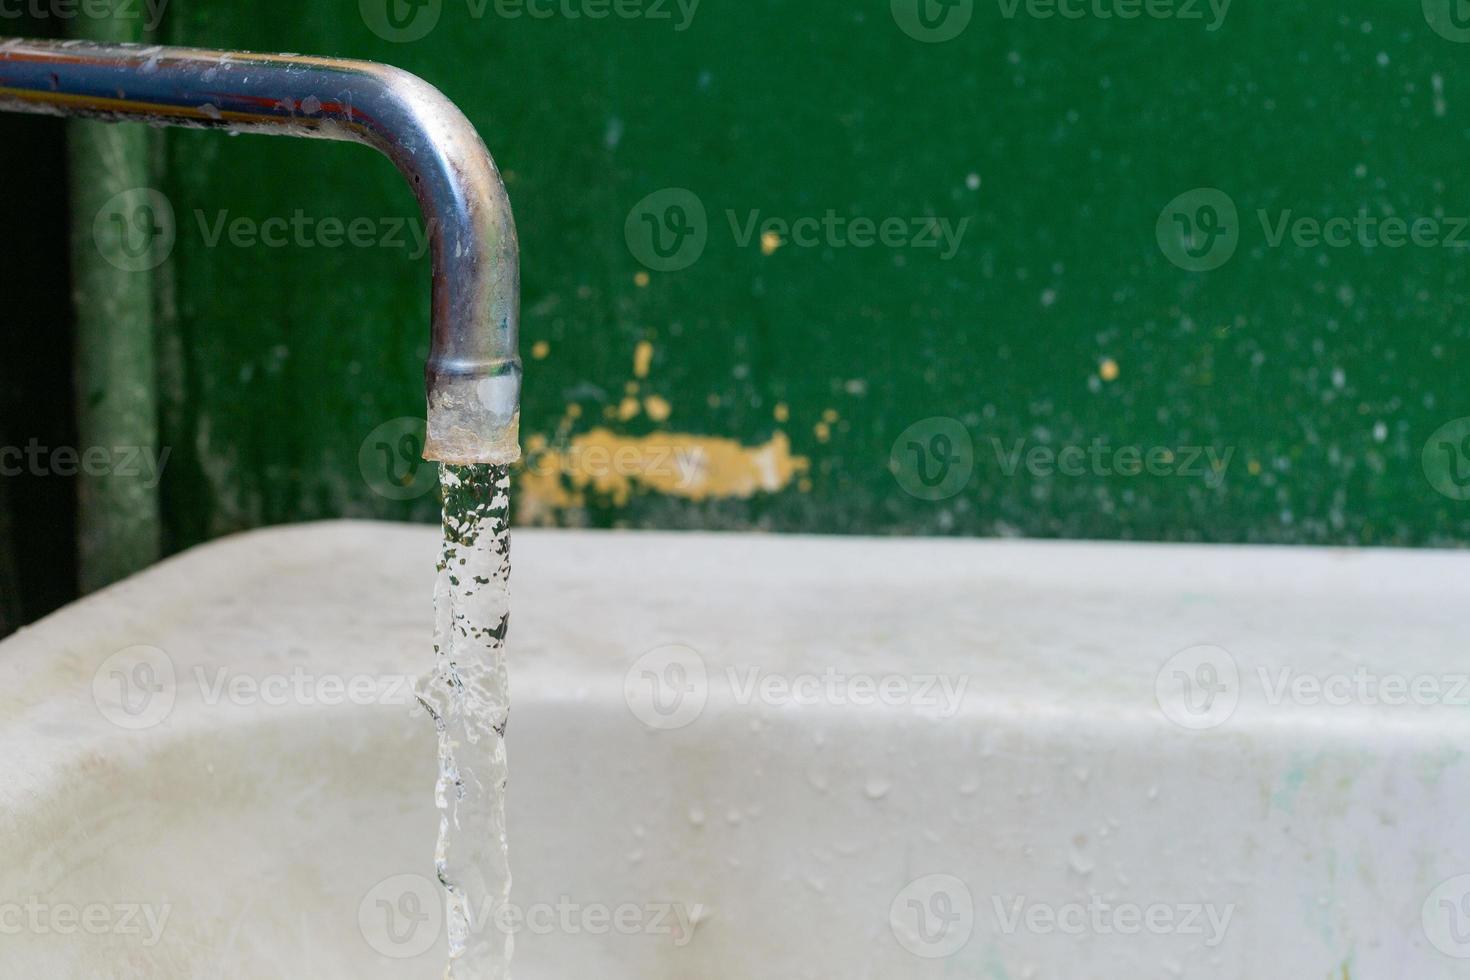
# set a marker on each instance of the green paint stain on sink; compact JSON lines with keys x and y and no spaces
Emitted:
{"x":1290,"y":785}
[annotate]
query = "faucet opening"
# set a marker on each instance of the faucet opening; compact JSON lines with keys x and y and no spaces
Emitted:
{"x":473,"y":374}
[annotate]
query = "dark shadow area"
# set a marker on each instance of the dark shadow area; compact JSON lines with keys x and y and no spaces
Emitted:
{"x":38,"y":566}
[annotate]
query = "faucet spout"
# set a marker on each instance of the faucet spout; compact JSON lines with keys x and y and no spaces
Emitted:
{"x":473,"y":374}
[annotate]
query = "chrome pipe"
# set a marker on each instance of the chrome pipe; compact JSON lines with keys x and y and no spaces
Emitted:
{"x":473,"y":375}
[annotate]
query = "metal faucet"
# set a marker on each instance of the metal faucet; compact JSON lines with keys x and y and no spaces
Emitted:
{"x":473,"y":374}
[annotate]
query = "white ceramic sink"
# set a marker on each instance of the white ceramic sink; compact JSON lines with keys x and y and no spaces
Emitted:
{"x":742,"y":757}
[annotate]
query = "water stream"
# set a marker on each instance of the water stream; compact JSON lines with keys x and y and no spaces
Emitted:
{"x":468,"y":699}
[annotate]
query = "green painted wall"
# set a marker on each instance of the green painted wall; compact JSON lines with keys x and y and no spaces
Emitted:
{"x":1320,"y":371}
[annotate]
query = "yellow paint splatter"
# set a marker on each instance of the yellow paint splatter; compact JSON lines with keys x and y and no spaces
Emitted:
{"x":630,"y":388}
{"x":640,"y":279}
{"x":642,"y":359}
{"x":657,"y":408}
{"x":783,"y":412}
{"x":1108,"y":369}
{"x":540,"y":349}
{"x":675,"y":464}
{"x":822,"y":431}
{"x":628,"y":409}
{"x":770,"y":241}
{"x":830,"y":416}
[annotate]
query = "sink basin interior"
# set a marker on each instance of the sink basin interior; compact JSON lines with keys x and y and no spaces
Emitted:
{"x":788,"y":821}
